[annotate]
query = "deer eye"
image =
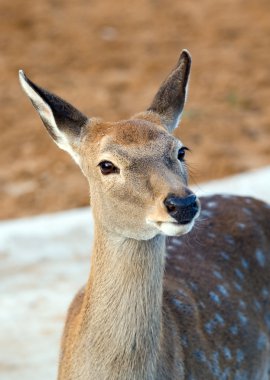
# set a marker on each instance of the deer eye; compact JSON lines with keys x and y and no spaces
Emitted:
{"x":107,"y":167}
{"x":181,"y":153}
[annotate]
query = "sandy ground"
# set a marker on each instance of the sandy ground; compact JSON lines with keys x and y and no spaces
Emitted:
{"x":108,"y":58}
{"x":44,"y":261}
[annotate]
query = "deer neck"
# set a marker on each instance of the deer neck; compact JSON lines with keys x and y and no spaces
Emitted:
{"x":123,"y":306}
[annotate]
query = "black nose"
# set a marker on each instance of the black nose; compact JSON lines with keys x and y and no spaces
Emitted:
{"x":182,"y":209}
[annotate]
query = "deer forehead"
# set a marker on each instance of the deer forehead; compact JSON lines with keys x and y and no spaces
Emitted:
{"x":132,"y":140}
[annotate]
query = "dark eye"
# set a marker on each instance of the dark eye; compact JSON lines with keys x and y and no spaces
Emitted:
{"x":107,"y":167}
{"x":181,"y":153}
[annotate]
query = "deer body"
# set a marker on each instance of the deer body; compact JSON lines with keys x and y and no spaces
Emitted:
{"x":216,"y":303}
{"x":159,"y":305}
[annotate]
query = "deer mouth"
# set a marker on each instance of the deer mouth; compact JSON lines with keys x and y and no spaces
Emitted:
{"x":173,"y":228}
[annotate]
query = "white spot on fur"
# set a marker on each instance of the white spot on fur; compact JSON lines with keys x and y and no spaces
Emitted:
{"x":267,"y":320}
{"x":176,"y":242}
{"x":225,"y":255}
{"x":182,"y":292}
{"x":180,"y":257}
{"x":237,"y":286}
{"x":179,"y":305}
{"x":241,"y":375}
{"x":219,"y":319}
{"x":193,"y":286}
{"x":239,"y":274}
{"x":215,"y":364}
{"x":217,"y":274}
{"x":199,"y":256}
{"x":247,"y":211}
{"x":222,"y":289}
{"x":206,"y":213}
{"x":233,"y":330}
{"x":257,"y":305}
{"x":242,"y":304}
{"x":244,"y":263}
{"x":260,"y":257}
{"x":227,"y":196}
{"x":239,"y":355}
{"x":265,"y":292}
{"x":242,"y":318}
{"x":242,"y":226}
{"x":209,"y":327}
{"x":184,"y":340}
{"x":229,"y":239}
{"x":262,"y":341}
{"x":227,"y":353}
{"x":202,"y":304}
{"x":212,"y":204}
{"x":214,"y":297}
{"x":200,"y":356}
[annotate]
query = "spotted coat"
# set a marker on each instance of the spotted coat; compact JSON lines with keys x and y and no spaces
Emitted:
{"x":218,"y":284}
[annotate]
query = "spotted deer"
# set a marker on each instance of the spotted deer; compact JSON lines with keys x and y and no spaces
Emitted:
{"x":159,"y":305}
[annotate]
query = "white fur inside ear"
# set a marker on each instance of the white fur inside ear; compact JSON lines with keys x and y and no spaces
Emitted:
{"x":46,"y":115}
{"x":175,"y":124}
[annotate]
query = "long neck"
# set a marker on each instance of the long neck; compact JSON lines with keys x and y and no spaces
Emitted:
{"x":121,"y":318}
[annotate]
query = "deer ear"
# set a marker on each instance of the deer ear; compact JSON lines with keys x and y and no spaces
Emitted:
{"x":170,"y":98}
{"x":64,"y":122}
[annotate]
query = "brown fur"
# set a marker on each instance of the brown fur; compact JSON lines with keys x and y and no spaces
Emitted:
{"x":204,"y":313}
{"x":189,"y":278}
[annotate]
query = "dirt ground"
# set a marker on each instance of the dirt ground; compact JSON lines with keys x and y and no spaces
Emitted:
{"x":108,"y":58}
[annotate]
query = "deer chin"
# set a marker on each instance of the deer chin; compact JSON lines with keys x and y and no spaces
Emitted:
{"x":172,"y":228}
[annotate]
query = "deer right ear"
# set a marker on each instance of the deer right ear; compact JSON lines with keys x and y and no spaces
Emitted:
{"x":64,"y":122}
{"x":170,"y":98}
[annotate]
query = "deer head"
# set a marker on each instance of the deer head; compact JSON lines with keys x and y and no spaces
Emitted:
{"x":135,"y":168}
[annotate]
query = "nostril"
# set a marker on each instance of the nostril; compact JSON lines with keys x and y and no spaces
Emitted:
{"x":182,"y":209}
{"x":170,"y":205}
{"x":171,"y":208}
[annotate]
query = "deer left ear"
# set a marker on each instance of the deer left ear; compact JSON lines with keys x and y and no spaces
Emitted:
{"x":171,"y":96}
{"x":64,"y":122}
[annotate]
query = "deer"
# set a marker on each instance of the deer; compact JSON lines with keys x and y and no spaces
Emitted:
{"x":179,"y":287}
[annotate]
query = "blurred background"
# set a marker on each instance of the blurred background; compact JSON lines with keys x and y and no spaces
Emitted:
{"x":108,"y":59}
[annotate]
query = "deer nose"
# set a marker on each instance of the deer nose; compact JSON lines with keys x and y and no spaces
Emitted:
{"x":182,"y":209}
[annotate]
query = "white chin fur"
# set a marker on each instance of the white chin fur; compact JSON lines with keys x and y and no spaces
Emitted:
{"x":173,"y":229}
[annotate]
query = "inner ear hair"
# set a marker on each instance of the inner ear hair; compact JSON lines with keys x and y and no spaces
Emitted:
{"x":63,"y":121}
